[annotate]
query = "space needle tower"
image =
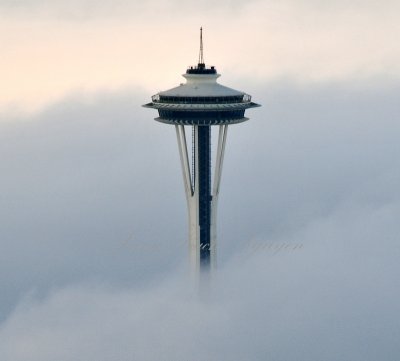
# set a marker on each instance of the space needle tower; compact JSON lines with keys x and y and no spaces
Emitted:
{"x":200,"y":104}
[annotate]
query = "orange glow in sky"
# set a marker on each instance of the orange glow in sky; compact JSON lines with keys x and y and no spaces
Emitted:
{"x":48,"y":56}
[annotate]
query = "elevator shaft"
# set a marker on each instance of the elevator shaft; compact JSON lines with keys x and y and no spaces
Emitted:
{"x":203,"y":177}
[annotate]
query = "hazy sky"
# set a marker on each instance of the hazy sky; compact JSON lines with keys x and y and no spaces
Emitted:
{"x":93,"y":216}
{"x":67,"y":46}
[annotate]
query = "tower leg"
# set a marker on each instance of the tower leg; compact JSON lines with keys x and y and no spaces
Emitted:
{"x":191,"y":197}
{"x":222,"y":134}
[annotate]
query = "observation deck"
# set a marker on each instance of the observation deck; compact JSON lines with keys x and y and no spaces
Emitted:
{"x":201,"y":100}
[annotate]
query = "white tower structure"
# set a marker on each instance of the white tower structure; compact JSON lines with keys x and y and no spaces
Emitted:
{"x":201,"y":103}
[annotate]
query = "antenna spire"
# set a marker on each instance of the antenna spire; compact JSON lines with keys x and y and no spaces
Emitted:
{"x":201,"y":58}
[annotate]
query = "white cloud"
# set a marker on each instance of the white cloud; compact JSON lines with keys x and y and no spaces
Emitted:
{"x":336,"y":297}
{"x":88,"y":183}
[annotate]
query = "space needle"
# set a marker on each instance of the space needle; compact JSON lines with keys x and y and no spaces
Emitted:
{"x":201,"y":103}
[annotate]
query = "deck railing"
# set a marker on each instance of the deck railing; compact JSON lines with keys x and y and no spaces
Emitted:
{"x":245,"y":98}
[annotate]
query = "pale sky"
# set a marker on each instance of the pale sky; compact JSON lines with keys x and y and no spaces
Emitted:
{"x":52,"y":49}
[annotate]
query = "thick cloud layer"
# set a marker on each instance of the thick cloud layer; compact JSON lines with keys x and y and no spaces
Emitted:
{"x":82,"y":185}
{"x":93,"y":230}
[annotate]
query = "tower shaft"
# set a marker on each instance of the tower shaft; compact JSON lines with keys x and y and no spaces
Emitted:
{"x":202,"y":152}
{"x":201,"y":193}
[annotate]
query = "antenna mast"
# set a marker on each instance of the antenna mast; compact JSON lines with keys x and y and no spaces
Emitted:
{"x":201,"y":58}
